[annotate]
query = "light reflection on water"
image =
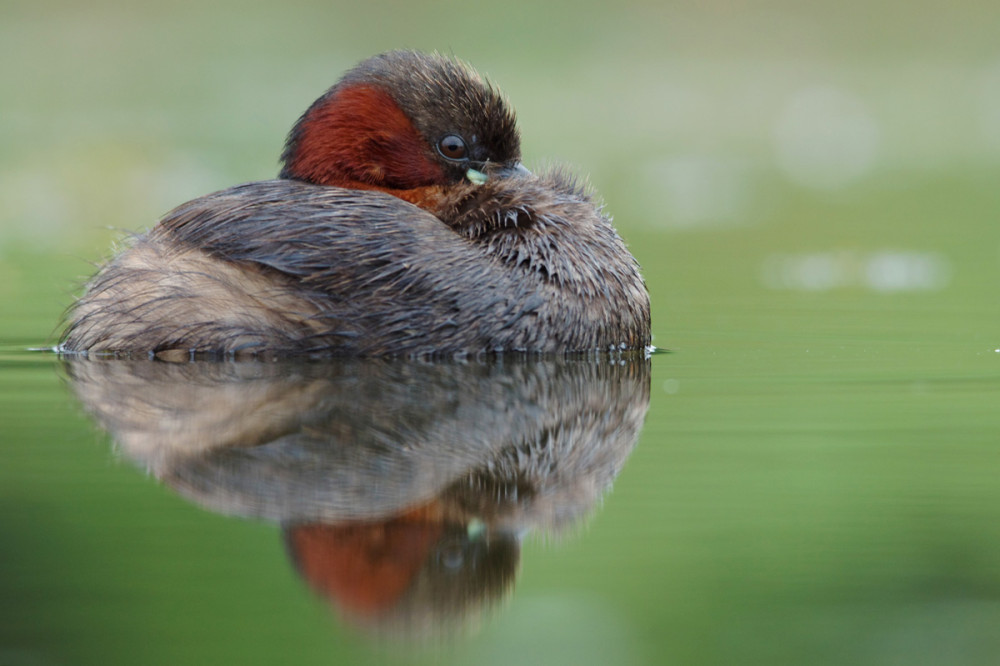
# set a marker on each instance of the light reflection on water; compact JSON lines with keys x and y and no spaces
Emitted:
{"x":403,"y":489}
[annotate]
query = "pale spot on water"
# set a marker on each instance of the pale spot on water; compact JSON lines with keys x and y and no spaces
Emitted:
{"x":825,"y":138}
{"x":885,"y":271}
{"x":697,"y":190}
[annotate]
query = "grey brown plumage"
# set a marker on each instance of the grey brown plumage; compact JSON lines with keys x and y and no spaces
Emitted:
{"x":520,"y":263}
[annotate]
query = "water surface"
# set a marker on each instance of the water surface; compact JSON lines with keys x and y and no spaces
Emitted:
{"x":831,"y":504}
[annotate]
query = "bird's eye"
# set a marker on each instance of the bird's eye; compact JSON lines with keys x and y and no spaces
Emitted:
{"x":452,"y":147}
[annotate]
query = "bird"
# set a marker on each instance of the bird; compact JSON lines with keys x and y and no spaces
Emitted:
{"x":402,"y":222}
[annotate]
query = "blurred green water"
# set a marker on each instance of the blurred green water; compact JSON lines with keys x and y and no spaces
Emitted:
{"x":817,"y":480}
{"x":838,"y":509}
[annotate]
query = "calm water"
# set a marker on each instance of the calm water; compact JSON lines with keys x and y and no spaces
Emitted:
{"x":784,"y":503}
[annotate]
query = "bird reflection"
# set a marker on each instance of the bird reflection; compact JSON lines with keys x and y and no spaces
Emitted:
{"x":403,"y":488}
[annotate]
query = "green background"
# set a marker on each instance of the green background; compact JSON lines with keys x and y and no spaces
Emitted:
{"x":812,"y":191}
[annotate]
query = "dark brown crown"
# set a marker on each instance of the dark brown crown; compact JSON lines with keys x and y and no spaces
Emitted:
{"x":380,"y":125}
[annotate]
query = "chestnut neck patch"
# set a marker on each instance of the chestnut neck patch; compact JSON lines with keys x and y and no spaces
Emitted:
{"x":357,"y":137}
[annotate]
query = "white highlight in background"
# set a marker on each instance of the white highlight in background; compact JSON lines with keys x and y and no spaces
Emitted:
{"x":825,"y":138}
{"x":887,"y":271}
{"x":697,"y":190}
{"x":989,"y":102}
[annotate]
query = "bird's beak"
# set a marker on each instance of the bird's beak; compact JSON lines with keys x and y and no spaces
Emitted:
{"x":477,"y":177}
{"x":516,"y":169}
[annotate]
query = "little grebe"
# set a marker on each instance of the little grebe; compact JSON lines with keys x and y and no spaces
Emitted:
{"x":402,"y":223}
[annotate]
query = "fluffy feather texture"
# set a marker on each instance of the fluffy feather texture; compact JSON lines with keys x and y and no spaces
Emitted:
{"x":522,"y":264}
{"x":326,"y":261}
